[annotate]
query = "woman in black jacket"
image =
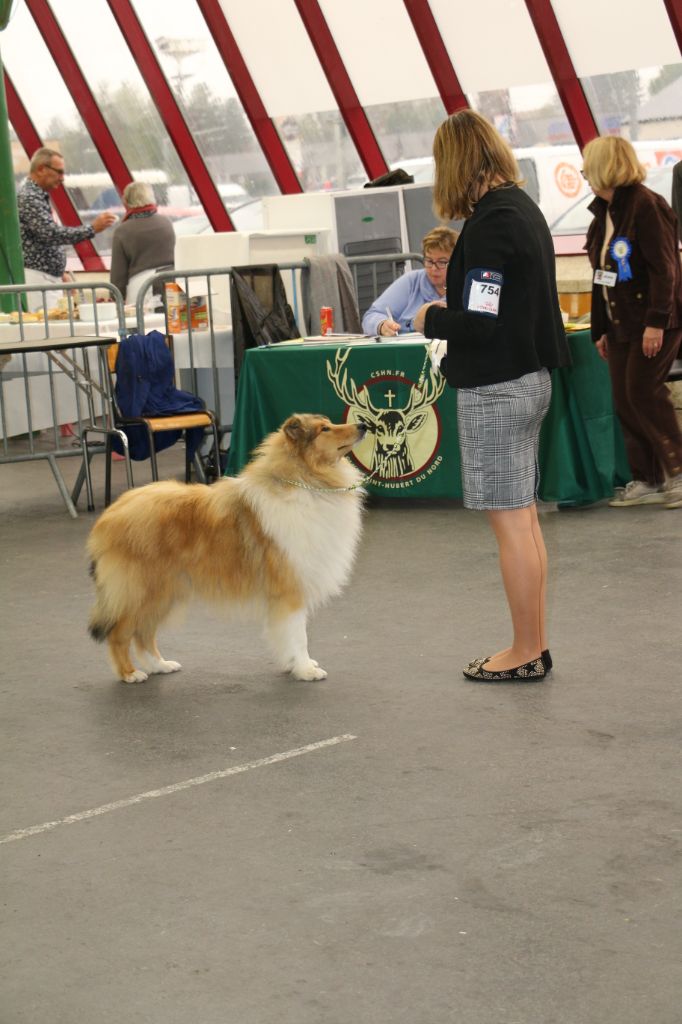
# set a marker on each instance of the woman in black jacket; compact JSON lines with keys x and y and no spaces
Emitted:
{"x":637,"y":315}
{"x":504,"y":332}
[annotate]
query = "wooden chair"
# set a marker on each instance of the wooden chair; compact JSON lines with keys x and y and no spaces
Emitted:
{"x":153,"y":425}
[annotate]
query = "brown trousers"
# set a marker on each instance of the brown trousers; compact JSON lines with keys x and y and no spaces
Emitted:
{"x":653,"y":440}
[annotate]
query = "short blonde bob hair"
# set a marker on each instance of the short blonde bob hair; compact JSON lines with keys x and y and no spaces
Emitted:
{"x":468,"y":154}
{"x":440,"y":238}
{"x":610,"y":161}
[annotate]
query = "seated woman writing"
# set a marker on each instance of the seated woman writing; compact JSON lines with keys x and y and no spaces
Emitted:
{"x":391,"y":313}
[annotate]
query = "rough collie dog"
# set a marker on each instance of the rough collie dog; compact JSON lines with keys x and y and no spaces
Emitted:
{"x":275,"y":543}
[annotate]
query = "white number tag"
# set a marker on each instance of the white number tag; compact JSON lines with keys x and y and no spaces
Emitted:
{"x":484,"y":297}
{"x":605,"y":277}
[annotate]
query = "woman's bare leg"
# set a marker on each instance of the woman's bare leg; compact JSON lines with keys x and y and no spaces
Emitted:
{"x":523,"y":563}
{"x":542,"y":554}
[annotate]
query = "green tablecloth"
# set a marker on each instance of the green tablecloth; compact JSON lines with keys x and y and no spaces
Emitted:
{"x":582,"y":456}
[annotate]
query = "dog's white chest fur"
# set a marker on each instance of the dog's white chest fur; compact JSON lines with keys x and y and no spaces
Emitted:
{"x":318,"y":533}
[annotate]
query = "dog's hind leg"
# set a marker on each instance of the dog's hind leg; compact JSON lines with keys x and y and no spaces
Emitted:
{"x":119,"y":641}
{"x":152,"y":659}
{"x":287,"y":635}
{"x":159,"y":601}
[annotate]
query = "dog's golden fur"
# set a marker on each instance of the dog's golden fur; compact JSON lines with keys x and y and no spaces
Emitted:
{"x":257,"y":542}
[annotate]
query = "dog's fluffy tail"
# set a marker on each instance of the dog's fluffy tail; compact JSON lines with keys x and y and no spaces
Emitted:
{"x":99,"y":629}
{"x":104,"y":615}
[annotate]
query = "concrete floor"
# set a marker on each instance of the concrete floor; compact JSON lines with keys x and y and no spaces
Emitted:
{"x":473,"y":854}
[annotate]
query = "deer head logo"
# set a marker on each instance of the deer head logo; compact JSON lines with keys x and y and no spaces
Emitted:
{"x":390,"y":428}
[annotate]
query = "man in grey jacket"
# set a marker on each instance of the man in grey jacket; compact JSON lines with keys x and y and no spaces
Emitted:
{"x":142,"y":244}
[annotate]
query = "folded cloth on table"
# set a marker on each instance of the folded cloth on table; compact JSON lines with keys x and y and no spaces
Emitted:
{"x":328,"y":281}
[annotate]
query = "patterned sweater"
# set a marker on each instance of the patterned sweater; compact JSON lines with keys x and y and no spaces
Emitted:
{"x":42,"y":239}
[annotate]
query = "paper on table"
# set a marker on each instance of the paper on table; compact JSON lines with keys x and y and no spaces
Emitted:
{"x":570,"y":327}
{"x":331,"y":339}
{"x":409,"y":336}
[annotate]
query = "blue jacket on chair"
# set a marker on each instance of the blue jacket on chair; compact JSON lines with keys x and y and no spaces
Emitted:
{"x":145,"y":387}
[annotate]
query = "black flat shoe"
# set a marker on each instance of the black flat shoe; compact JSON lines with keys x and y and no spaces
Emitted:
{"x":527,"y":673}
{"x":545,"y":655}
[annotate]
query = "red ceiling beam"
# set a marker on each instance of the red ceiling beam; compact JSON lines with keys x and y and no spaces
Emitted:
{"x":31,"y":141}
{"x":436,"y":54}
{"x":264,"y":130}
{"x":561,"y":67}
{"x":170,"y":112}
{"x":81,"y":93}
{"x":674,"y":9}
{"x":351,"y":111}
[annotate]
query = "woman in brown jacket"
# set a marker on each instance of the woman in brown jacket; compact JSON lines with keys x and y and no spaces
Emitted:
{"x":636,"y":315}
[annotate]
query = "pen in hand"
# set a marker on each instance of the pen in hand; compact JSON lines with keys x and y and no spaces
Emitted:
{"x":390,"y":320}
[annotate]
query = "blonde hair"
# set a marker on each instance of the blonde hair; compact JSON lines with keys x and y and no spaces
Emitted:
{"x":469,"y":153}
{"x":610,"y":161}
{"x":440,"y":238}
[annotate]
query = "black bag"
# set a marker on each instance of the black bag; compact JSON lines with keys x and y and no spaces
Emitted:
{"x":396,"y":177}
{"x":261,"y":314}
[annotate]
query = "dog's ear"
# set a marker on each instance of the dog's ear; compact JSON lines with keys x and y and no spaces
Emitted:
{"x":293,"y":429}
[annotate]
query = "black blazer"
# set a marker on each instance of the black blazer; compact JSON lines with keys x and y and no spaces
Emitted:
{"x":505,"y":244}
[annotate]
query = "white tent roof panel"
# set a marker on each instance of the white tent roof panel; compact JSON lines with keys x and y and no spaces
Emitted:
{"x":607,"y":36}
{"x":294,"y":82}
{"x":385,"y":62}
{"x":491,"y":45}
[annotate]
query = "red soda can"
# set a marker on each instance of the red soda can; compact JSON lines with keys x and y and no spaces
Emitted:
{"x":326,"y":319}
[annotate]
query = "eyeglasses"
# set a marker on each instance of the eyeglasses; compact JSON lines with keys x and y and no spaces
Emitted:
{"x":441,"y":264}
{"x":57,"y":170}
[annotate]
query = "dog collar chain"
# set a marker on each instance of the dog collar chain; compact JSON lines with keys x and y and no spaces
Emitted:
{"x":421,"y":380}
{"x":331,"y":490}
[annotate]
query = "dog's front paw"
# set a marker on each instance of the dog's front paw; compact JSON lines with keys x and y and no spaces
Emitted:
{"x":136,"y":676}
{"x":166,"y":666}
{"x":308,"y":670}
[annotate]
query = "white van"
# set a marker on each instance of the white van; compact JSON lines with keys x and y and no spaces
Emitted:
{"x":553,"y":173}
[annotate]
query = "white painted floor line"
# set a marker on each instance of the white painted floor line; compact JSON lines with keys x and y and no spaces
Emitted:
{"x":152,"y":794}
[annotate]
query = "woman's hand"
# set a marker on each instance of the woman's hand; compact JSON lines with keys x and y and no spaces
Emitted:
{"x":602,"y":347}
{"x":652,"y":341}
{"x":388,"y":328}
{"x":418,"y":320}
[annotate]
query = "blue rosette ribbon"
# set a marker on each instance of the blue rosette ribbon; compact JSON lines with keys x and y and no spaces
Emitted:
{"x":620,"y":251}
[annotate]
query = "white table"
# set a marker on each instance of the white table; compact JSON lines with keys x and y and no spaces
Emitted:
{"x":34,"y":397}
{"x":64,"y":360}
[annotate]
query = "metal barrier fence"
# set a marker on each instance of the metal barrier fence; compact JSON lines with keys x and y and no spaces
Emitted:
{"x":48,"y":396}
{"x":49,"y":389}
{"x":204,"y":356}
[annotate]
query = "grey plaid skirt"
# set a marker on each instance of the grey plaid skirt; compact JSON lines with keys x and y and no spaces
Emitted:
{"x":499,"y":430}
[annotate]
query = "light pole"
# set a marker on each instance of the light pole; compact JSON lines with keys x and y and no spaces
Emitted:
{"x":179,"y":50}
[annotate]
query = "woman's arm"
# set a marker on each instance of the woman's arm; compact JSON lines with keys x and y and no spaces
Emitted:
{"x":489,"y":248}
{"x":657,"y":240}
{"x":395,"y":298}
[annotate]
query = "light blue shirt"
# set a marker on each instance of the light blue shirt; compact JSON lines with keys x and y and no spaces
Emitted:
{"x":404,"y":298}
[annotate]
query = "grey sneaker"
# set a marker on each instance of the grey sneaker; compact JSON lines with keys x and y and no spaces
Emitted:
{"x":673,"y":492}
{"x":638,"y":493}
